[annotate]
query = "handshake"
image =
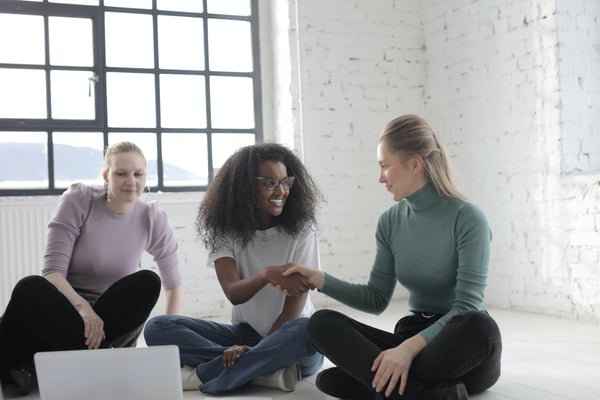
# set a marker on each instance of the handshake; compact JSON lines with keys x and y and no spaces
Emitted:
{"x":294,"y":279}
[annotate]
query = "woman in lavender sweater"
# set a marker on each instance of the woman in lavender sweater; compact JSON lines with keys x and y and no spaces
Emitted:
{"x":92,"y":293}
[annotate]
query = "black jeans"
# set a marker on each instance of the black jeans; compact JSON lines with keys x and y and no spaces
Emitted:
{"x":467,"y":349}
{"x":39,"y":317}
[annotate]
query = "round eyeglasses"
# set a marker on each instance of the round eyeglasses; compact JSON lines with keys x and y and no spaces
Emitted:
{"x":271,"y":183}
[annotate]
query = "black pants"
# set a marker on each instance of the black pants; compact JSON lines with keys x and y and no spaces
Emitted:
{"x":467,"y":349}
{"x":39,"y":317}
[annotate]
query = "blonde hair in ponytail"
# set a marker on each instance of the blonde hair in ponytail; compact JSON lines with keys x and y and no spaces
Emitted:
{"x":412,"y":135}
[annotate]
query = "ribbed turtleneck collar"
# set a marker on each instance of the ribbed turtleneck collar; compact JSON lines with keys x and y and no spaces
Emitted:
{"x":424,"y":199}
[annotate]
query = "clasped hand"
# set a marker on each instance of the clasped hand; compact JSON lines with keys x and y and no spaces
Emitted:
{"x":294,"y":284}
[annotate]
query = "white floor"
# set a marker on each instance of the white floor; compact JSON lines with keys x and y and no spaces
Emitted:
{"x":544,"y":358}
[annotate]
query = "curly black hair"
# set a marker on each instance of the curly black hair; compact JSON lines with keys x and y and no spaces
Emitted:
{"x":229,"y":209}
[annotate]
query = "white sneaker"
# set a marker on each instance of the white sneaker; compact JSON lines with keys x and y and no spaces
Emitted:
{"x":284,"y":379}
{"x":189,"y":378}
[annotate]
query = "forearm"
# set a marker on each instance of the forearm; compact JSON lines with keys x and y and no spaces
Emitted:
{"x":174,"y":299}
{"x":67,"y":290}
{"x":415,"y":344}
{"x":292,"y":309}
{"x":240,"y":291}
{"x":372,"y":297}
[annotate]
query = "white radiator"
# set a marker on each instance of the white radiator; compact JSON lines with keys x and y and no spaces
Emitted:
{"x":22,"y":241}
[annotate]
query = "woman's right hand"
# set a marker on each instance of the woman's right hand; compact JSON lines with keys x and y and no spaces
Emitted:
{"x":93,"y":326}
{"x":315,"y":278}
{"x":231,"y":355}
{"x":293,"y":285}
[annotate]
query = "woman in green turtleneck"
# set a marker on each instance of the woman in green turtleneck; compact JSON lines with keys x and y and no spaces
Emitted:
{"x":436,"y":244}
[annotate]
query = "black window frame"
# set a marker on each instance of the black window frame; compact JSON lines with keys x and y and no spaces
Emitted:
{"x":100,"y":124}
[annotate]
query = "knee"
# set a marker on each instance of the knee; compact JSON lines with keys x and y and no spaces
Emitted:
{"x":322,"y":322}
{"x":155,"y":329}
{"x":29,"y":283}
{"x":480,"y":324}
{"x":149,"y":278}
{"x":31,"y":288}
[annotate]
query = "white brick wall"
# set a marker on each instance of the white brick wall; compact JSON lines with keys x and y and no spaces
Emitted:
{"x":491,"y":78}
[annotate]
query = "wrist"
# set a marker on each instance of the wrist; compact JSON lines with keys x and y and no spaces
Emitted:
{"x":319,"y":280}
{"x":415,"y":344}
{"x":267,"y":275}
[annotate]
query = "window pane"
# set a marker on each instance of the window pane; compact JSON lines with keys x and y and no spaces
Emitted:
{"x":129,"y":40}
{"x":144,"y":4}
{"x":180,"y":5}
{"x":23,"y":93}
{"x":229,"y":46}
{"x":72,"y":95}
{"x":225,"y":144}
{"x":182,"y":101}
{"x":145,"y":141}
{"x":77,"y":157}
{"x":23,"y":160}
{"x":232,"y":104}
{"x":130,"y":99}
{"x":22,"y":39}
{"x":229,"y":7}
{"x":184,"y":159}
{"x":180,"y":43}
{"x":71,"y":41}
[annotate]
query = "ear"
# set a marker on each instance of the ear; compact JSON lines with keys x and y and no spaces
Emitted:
{"x":416,"y":164}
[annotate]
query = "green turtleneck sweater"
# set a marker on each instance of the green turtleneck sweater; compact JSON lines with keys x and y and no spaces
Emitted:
{"x":436,"y":247}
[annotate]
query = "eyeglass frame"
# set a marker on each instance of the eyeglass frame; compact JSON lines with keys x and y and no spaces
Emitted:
{"x":286,"y":182}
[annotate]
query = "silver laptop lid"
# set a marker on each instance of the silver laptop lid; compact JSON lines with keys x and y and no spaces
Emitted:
{"x":148,"y":373}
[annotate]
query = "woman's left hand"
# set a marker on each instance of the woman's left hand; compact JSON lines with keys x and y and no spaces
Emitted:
{"x":392,"y":365}
{"x":231,"y":355}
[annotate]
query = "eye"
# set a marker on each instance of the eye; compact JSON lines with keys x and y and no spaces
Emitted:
{"x":288,"y":182}
{"x":139,"y":174}
{"x":269,"y":182}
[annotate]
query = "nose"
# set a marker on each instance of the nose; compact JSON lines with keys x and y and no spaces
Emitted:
{"x":381,"y":177}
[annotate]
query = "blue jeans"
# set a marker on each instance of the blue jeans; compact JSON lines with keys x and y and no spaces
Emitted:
{"x":202,"y":343}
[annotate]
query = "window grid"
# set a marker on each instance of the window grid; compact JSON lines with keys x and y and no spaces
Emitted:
{"x":101,"y":124}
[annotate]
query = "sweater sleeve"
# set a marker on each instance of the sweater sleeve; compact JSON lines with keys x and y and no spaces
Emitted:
{"x":473,"y":238}
{"x":64,"y":228}
{"x":374,"y":296}
{"x":163,"y":247}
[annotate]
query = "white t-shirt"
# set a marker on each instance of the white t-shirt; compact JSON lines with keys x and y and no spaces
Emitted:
{"x":269,"y":248}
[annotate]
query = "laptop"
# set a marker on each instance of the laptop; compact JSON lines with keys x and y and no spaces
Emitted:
{"x":132,"y":373}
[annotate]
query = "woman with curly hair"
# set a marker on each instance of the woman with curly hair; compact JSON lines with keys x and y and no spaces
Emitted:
{"x":257,"y":215}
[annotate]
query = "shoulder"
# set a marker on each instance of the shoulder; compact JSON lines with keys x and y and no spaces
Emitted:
{"x":152,"y":211}
{"x":469,"y":210}
{"x":81,"y":193}
{"x":471,"y":218}
{"x":308,"y":229}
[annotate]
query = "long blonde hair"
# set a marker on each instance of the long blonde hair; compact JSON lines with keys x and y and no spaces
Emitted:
{"x":412,"y":135}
